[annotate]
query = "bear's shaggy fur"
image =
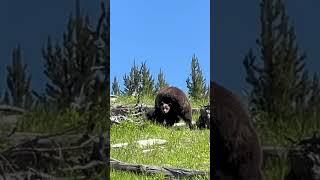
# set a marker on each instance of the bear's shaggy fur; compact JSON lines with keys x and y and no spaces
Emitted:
{"x":204,"y":118}
{"x":237,"y":151}
{"x":171,"y":104}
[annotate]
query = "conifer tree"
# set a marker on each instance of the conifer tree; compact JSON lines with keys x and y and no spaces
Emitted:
{"x":132,"y":81}
{"x":77,"y":67}
{"x":196,"y":81}
{"x":18,"y":82}
{"x":147,"y":82}
{"x":161,"y":81}
{"x":278,"y":80}
{"x":115,"y":87}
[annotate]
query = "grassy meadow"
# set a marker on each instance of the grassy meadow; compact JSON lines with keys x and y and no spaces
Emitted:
{"x":184,"y":148}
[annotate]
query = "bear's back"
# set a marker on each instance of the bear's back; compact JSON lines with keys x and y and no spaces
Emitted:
{"x":173,"y":95}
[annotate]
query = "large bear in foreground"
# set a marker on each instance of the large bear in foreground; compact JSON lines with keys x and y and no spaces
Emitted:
{"x":171,"y":104}
{"x":236,"y":147}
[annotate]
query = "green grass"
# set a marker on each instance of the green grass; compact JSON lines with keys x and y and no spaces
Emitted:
{"x":281,"y":133}
{"x":125,"y":100}
{"x":278,"y":133}
{"x":184,"y":148}
{"x":198,"y":103}
{"x":276,"y":169}
{"x":40,"y":121}
{"x":119,"y":175}
{"x":49,"y":122}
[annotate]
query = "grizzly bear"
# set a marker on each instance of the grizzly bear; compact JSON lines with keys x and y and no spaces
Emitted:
{"x":237,"y":150}
{"x":171,"y":104}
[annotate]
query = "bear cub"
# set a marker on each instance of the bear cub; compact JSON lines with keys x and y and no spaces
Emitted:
{"x":204,"y":118}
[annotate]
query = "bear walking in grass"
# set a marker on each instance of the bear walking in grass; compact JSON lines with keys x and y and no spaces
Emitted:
{"x":237,"y":151}
{"x":171,"y":104}
{"x":204,"y":118}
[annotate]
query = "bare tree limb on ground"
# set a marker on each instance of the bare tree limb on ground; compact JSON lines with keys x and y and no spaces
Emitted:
{"x":145,"y":169}
{"x":13,"y":109}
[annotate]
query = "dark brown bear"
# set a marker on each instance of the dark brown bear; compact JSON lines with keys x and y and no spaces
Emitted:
{"x":237,"y":151}
{"x":204,"y":118}
{"x":171,"y":104}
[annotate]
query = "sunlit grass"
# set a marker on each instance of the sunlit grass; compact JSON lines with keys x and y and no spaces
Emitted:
{"x":184,"y":148}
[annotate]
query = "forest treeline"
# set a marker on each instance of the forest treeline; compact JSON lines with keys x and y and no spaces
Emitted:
{"x":139,"y":81}
{"x":75,"y":68}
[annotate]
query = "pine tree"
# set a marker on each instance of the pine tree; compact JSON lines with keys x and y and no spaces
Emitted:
{"x":161,"y":81}
{"x":92,"y":67}
{"x":58,"y":71}
{"x":77,"y":67}
{"x":147,"y":82}
{"x":98,"y":78}
{"x":18,"y":82}
{"x":115,"y":87}
{"x":196,"y":81}
{"x":278,"y":81}
{"x":132,"y":82}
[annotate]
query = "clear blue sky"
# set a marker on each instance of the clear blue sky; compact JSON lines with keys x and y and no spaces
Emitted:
{"x":163,"y":33}
{"x":236,"y":27}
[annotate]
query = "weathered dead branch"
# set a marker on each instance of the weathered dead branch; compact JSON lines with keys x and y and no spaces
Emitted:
{"x":12,"y":109}
{"x":32,"y":155}
{"x":145,"y":169}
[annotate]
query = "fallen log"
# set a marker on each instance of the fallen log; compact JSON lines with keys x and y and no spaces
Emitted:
{"x":32,"y":174}
{"x":150,"y":170}
{"x":19,"y":137}
{"x":12,"y":109}
{"x":27,"y":175}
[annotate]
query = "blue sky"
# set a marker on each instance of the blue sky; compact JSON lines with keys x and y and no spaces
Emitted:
{"x":236,"y":27}
{"x":163,"y":33}
{"x":30,"y":23}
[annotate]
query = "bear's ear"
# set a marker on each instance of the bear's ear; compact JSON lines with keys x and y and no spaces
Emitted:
{"x":162,"y":103}
{"x":169,"y":104}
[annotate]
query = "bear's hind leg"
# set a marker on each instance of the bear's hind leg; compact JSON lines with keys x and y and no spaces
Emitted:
{"x":187,"y":117}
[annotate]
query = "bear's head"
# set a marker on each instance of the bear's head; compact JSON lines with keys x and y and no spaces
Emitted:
{"x":165,"y":107}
